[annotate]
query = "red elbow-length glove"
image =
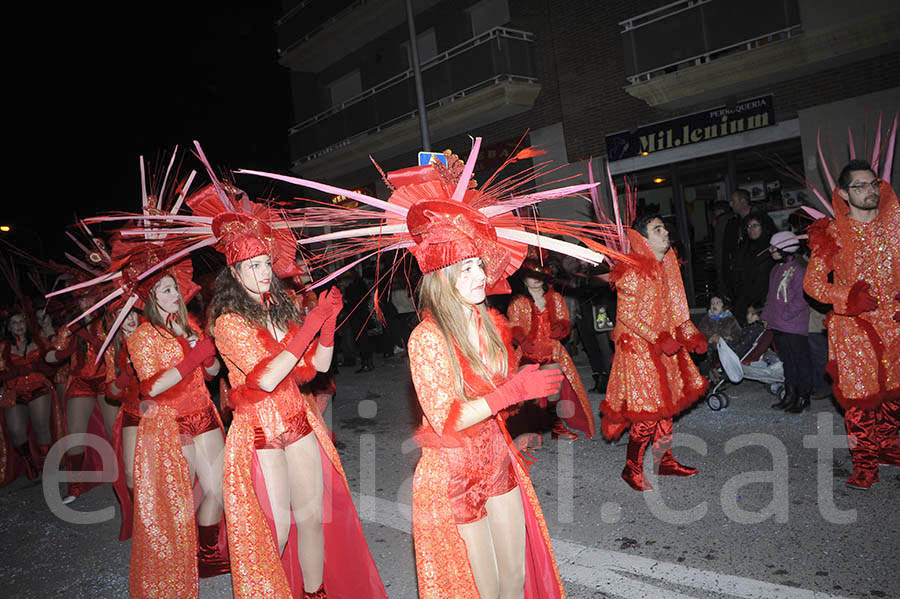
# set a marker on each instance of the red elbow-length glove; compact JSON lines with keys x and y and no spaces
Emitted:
{"x":528,"y":383}
{"x":325,"y":313}
{"x":204,"y":352}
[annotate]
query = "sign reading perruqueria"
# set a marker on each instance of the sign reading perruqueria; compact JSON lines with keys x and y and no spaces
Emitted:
{"x":693,"y":128}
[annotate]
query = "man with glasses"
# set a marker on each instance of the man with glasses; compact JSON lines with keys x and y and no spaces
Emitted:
{"x":860,"y":249}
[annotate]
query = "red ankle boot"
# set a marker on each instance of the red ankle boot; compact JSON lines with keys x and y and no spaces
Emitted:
{"x":862,"y":478}
{"x":73,"y":464}
{"x":31,"y":470}
{"x":669,"y":466}
{"x":319,"y":594}
{"x":43,"y":450}
{"x":210,"y":561}
{"x":561,"y":432}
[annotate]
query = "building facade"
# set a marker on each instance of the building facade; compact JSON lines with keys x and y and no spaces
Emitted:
{"x":687,"y":99}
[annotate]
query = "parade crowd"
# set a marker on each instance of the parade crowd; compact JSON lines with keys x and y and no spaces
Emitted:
{"x":211,"y":386}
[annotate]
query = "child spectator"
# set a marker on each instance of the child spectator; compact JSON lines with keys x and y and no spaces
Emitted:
{"x":787,"y":313}
{"x":718,"y":323}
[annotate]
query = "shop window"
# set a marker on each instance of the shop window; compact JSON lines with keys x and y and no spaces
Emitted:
{"x":345,"y":87}
{"x":488,"y":14}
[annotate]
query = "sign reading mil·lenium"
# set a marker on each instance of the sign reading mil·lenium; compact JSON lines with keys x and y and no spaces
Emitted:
{"x":693,"y":128}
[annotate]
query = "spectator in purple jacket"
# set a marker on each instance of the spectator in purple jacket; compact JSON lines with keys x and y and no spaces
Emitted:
{"x":787,"y":314}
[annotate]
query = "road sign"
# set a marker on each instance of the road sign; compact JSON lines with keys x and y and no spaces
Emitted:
{"x":425,"y":158}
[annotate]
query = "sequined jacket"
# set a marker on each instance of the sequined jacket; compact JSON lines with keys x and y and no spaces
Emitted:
{"x":644,"y":383}
{"x":153,"y":351}
{"x":863,"y":349}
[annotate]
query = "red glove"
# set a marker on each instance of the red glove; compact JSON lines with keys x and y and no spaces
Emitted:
{"x":65,"y":353}
{"x":89,"y":337}
{"x":312,"y":324}
{"x":697,"y":344}
{"x":860,"y":300}
{"x":124,"y":380}
{"x":200,"y":354}
{"x":334,"y":300}
{"x":559,"y":330}
{"x":528,"y":347}
{"x":664,"y":344}
{"x":528,"y":383}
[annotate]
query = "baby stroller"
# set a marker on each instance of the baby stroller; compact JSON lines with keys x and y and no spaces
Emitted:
{"x":732,"y":370}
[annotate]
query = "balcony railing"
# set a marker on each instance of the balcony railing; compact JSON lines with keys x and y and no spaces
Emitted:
{"x":693,"y":32}
{"x":493,"y":57}
{"x":308,"y":18}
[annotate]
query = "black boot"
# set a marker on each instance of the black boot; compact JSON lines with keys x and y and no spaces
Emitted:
{"x":790,"y":397}
{"x":600,"y":381}
{"x":802,"y":401}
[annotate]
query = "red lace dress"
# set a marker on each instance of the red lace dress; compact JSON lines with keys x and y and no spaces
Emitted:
{"x":272,"y":419}
{"x":164,"y":544}
{"x":544,"y":329}
{"x":460,"y":470}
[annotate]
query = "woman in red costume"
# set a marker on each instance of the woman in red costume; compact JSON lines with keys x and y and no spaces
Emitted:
{"x":32,"y":414}
{"x":281,"y":469}
{"x":478,"y":529}
{"x":855,"y":266}
{"x":653,"y":379}
{"x":477,"y":524}
{"x":86,"y":407}
{"x":122,"y":385}
{"x":539,"y":321}
{"x":179,"y":437}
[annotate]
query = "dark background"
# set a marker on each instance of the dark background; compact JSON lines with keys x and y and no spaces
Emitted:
{"x":108,"y":82}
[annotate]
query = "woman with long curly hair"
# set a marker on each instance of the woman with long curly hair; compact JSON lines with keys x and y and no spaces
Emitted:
{"x":281,"y":468}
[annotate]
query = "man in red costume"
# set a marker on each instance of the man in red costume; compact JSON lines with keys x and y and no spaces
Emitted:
{"x":860,"y":249}
{"x":653,"y":377}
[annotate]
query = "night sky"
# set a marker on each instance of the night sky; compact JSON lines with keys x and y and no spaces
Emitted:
{"x":118,"y":84}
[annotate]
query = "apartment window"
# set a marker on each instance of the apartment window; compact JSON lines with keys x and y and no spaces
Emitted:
{"x":345,"y":87}
{"x":488,"y":14}
{"x":426,"y":42}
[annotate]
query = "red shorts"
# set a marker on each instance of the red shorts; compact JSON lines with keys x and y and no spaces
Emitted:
{"x":297,"y":427}
{"x":478,"y":472}
{"x":190,"y":425}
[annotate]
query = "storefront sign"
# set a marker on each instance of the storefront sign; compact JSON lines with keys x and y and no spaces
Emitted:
{"x":693,"y":128}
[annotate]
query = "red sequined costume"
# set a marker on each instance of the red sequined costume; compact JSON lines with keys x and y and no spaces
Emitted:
{"x":863,"y":347}
{"x":544,"y":329}
{"x":261,"y":418}
{"x":164,"y":545}
{"x":25,"y":378}
{"x":480,"y":459}
{"x":85,"y":379}
{"x":648,"y":387}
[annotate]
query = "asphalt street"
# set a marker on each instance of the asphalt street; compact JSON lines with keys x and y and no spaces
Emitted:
{"x":768,"y":515}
